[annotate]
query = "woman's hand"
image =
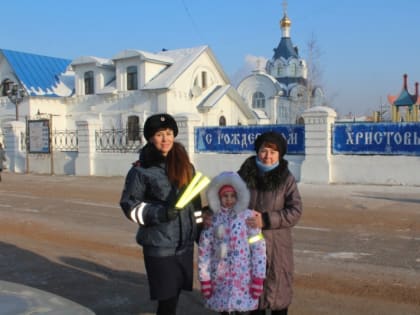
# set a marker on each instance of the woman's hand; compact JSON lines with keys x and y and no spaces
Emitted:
{"x":207,"y":217}
{"x":255,"y":220}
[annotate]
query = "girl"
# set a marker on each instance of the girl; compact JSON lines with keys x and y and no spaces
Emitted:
{"x":231,"y":261}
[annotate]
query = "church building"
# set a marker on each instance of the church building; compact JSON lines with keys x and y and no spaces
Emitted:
{"x":281,"y":92}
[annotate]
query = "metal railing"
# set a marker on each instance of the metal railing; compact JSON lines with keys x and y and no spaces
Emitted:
{"x":65,"y":140}
{"x":117,"y":140}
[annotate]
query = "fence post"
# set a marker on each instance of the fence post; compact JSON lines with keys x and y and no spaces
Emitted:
{"x":14,"y":138}
{"x":316,"y":168}
{"x":85,"y":161}
{"x":186,"y":124}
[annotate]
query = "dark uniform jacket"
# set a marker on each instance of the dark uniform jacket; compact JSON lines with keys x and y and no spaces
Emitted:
{"x":147,"y":184}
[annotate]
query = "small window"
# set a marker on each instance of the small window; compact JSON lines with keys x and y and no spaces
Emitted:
{"x":89,"y":86}
{"x":133,"y":128}
{"x":293,"y":69}
{"x":222,"y":121}
{"x":258,"y":100}
{"x":279,"y":69}
{"x":132,"y":78}
{"x":204,"y":80}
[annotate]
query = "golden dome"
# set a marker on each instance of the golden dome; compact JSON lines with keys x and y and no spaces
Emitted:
{"x":285,"y":21}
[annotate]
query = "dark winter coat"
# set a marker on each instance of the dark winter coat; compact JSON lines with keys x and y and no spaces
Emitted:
{"x":147,"y":182}
{"x":275,"y":194}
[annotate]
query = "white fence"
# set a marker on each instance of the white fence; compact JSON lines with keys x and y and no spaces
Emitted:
{"x":318,"y":165}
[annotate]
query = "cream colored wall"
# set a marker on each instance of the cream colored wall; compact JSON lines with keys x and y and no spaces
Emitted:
{"x":179,"y":96}
{"x":151,"y":70}
{"x":121,"y":72}
{"x":228,"y":108}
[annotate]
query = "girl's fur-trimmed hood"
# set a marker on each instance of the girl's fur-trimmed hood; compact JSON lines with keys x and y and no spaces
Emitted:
{"x":228,"y":178}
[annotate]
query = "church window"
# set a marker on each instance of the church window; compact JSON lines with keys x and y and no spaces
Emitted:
{"x":133,"y":128}
{"x":279,"y":69}
{"x":89,"y":83}
{"x":293,"y":69}
{"x":222,"y":121}
{"x":204,"y":80}
{"x":258,"y":100}
{"x":131,"y":78}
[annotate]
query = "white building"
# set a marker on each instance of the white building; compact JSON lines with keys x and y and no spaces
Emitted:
{"x":281,"y":92}
{"x":123,"y":90}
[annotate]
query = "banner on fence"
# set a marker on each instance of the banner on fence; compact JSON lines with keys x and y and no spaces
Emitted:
{"x":240,"y":139}
{"x":377,"y":138}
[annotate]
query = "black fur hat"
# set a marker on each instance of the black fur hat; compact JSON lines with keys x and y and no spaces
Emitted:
{"x":274,"y":138}
{"x":159,"y":121}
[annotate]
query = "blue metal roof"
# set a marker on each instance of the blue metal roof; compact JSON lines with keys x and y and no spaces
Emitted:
{"x":40,"y":75}
{"x":285,"y":49}
{"x":405,"y":99}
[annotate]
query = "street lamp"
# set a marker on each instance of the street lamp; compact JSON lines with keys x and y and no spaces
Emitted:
{"x":16,"y":95}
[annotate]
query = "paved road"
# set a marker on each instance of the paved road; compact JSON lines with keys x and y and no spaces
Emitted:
{"x":357,"y":248}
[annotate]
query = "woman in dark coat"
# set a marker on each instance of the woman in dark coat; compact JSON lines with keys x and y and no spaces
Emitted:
{"x":167,"y":235}
{"x":277,"y":207}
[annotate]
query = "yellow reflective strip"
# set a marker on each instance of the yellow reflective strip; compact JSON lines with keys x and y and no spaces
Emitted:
{"x":255,"y":238}
{"x":189,"y":195}
{"x":189,"y":188}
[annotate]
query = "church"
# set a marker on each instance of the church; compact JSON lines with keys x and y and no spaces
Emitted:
{"x":281,"y":92}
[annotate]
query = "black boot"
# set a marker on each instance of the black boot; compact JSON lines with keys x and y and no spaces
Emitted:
{"x":167,"y":307}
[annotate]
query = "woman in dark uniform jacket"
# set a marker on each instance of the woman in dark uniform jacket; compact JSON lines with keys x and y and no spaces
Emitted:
{"x":166,"y":234}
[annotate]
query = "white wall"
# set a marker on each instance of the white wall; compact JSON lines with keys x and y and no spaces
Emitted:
{"x":318,"y":165}
{"x":376,"y":169}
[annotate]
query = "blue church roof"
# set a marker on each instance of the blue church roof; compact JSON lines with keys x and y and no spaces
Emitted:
{"x":285,"y":49}
{"x":40,"y":75}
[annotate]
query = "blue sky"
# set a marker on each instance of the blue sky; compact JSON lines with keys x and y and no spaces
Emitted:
{"x":366,"y":45}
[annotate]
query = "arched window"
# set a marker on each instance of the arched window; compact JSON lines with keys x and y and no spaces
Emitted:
{"x":132,"y":78}
{"x":222,"y":121}
{"x":279,"y":69}
{"x":89,"y":83}
{"x":300,"y":121}
{"x":204,"y":82}
{"x":133,"y":128}
{"x":258,"y":100}
{"x":293,"y":70}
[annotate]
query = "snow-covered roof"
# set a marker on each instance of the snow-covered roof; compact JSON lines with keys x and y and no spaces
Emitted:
{"x":260,"y":114}
{"x":130,"y":53}
{"x":182,"y":59}
{"x":216,"y":95}
{"x":97,"y":61}
{"x":211,"y":100}
{"x":41,"y":75}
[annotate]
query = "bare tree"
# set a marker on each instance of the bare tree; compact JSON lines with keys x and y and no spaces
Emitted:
{"x":314,"y":74}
